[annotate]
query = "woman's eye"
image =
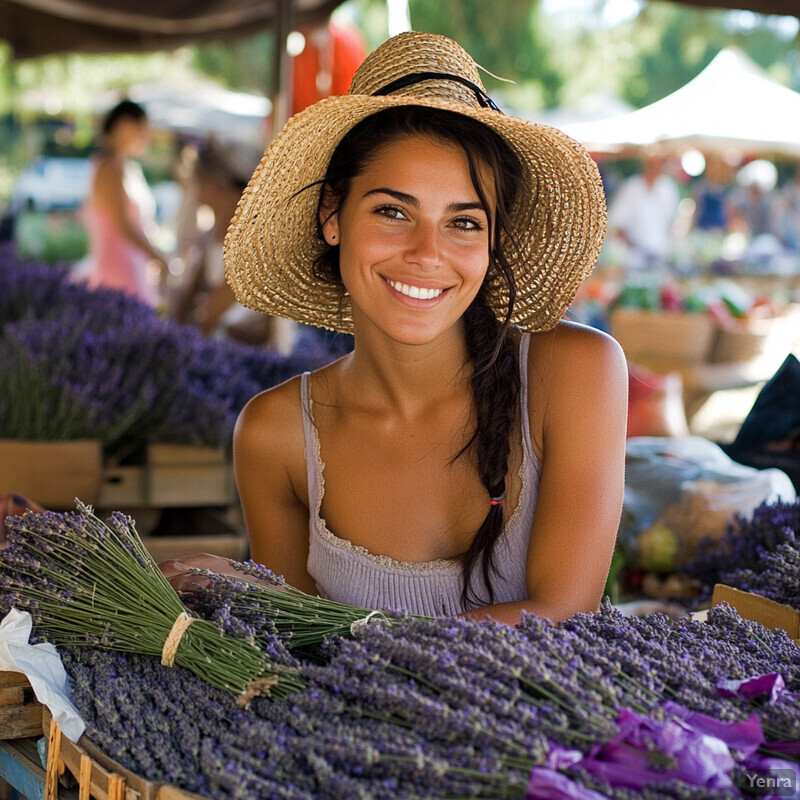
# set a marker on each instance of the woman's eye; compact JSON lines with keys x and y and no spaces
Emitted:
{"x":467,"y":224}
{"x":392,"y":212}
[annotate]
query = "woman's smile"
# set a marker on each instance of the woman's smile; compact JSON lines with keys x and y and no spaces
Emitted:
{"x":414,"y":291}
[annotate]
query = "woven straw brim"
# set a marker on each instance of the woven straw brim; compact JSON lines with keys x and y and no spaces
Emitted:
{"x":559,"y":217}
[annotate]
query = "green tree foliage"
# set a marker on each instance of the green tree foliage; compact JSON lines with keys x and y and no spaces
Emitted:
{"x":505,"y":38}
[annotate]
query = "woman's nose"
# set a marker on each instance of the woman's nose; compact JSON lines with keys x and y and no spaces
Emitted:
{"x":423,"y":245}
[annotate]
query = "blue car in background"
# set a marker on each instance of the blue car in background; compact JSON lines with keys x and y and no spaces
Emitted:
{"x":52,"y":183}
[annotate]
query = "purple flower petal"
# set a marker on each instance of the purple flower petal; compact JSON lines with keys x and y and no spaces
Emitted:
{"x":745,"y":737}
{"x":695,"y":757}
{"x":560,"y":757}
{"x":752,"y":688}
{"x":547,"y":784}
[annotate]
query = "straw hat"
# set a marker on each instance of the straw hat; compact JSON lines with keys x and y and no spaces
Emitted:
{"x":559,"y":216}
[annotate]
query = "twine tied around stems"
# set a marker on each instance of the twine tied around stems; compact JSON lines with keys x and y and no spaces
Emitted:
{"x":356,"y":626}
{"x":168,"y":652}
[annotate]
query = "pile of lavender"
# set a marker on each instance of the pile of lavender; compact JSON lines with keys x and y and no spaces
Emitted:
{"x":600,"y":706}
{"x":89,"y":583}
{"x":759,"y":554}
{"x":79,"y":364}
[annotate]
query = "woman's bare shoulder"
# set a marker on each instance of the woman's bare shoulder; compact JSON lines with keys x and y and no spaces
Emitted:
{"x":570,"y":344}
{"x":275,"y":413}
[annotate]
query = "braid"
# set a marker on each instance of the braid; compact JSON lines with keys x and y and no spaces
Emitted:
{"x":495,"y":387}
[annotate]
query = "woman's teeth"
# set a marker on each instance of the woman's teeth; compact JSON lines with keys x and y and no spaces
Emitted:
{"x":415,"y":291}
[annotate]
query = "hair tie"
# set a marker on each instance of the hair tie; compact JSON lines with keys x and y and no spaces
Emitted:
{"x":496,"y":501}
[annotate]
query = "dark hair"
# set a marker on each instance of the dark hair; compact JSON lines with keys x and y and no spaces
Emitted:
{"x":125,"y":109}
{"x":495,"y":379}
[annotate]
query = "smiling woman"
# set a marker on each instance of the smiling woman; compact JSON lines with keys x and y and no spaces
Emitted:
{"x":467,"y":456}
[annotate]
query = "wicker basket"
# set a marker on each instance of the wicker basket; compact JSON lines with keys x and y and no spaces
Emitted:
{"x":648,"y":337}
{"x":747,"y":341}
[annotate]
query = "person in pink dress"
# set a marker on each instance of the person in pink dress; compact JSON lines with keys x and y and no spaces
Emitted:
{"x":120,"y":210}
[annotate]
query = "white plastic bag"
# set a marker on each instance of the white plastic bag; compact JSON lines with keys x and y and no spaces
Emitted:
{"x":681,"y":490}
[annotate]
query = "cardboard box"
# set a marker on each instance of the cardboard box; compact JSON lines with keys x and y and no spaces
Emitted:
{"x":759,"y":609}
{"x":52,"y":474}
{"x":20,"y":711}
{"x":183,"y":475}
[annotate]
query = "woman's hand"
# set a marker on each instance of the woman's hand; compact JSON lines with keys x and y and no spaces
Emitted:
{"x":178,"y":570}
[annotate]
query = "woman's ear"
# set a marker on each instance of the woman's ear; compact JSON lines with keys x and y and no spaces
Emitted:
{"x":329,"y":217}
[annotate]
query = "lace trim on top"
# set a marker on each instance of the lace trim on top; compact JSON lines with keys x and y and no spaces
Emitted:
{"x":321,"y":526}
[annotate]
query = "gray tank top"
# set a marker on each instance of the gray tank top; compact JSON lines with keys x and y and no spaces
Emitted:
{"x":351,"y":574}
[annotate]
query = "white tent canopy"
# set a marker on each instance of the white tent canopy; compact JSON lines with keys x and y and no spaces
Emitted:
{"x":732,"y":103}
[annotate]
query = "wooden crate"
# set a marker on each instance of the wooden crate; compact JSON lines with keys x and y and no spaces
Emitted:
{"x":20,"y":711}
{"x":182,"y":475}
{"x":122,"y":487}
{"x":770,"y":614}
{"x":52,"y":474}
{"x":97,"y":775}
{"x":182,"y":532}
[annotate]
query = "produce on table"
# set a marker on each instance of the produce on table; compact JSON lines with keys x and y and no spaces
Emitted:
{"x":759,"y":553}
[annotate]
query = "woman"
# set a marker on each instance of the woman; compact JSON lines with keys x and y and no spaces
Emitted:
{"x":121,"y":209}
{"x":468,"y":455}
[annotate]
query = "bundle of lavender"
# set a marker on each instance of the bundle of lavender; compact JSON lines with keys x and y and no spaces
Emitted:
{"x":759,"y":553}
{"x":275,"y":607}
{"x":88,"y":582}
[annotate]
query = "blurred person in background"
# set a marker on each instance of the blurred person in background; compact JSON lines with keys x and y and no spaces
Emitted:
{"x":119,"y":213}
{"x":221,"y":172}
{"x":712,"y":195}
{"x":753,"y":205}
{"x":641,"y":215}
{"x":787,"y":212}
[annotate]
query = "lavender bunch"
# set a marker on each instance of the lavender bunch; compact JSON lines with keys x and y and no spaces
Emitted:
{"x":777,"y":575}
{"x":80,"y":363}
{"x":744,"y":545}
{"x":654,"y":658}
{"x":265,"y":601}
{"x":87,"y":582}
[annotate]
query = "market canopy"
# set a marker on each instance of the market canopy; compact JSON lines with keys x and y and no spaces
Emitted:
{"x":732,"y":103}
{"x":43,"y":27}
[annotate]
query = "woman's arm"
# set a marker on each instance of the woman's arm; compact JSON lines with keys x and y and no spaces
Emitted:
{"x":578,"y":393}
{"x":267,"y":452}
{"x":269,"y":464}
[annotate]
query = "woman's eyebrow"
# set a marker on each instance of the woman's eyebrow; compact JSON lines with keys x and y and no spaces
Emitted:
{"x":402,"y":197}
{"x":409,"y":199}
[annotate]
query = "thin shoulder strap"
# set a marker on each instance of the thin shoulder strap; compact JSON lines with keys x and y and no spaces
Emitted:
{"x":524,"y":347}
{"x":311,"y":439}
